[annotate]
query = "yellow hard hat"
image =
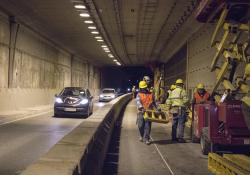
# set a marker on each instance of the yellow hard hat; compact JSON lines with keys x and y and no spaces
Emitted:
{"x":179,"y":81}
{"x":172,"y":87}
{"x":200,"y":86}
{"x":143,"y":84}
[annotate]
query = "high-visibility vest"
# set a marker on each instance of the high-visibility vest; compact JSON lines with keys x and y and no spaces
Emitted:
{"x":177,"y":97}
{"x":146,"y":99}
{"x":200,"y":99}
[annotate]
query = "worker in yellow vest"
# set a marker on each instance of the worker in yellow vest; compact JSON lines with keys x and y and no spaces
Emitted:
{"x":144,"y":101}
{"x":177,"y":102}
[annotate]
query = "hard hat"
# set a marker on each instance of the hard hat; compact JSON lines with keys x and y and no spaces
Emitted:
{"x":179,"y":81}
{"x":200,"y":86}
{"x":146,"y":78}
{"x":143,"y":84}
{"x":172,"y":87}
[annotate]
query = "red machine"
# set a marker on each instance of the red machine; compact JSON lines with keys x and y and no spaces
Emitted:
{"x":221,"y":125}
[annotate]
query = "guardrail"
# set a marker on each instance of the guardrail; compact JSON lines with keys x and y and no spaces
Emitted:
{"x":83,"y":150}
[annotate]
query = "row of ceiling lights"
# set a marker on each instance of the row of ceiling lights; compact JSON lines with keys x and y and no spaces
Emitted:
{"x":85,"y":14}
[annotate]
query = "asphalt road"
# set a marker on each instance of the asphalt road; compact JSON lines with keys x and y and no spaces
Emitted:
{"x":127,"y":155}
{"x":24,"y":141}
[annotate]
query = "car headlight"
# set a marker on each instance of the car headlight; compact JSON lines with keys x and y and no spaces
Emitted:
{"x":112,"y":96}
{"x":84,"y":101}
{"x":58,"y":100}
{"x":101,"y":96}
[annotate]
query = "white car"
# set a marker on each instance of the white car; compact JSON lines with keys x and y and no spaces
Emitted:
{"x":107,"y":94}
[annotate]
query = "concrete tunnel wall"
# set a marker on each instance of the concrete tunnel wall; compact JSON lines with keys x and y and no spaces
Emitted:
{"x":40,"y":69}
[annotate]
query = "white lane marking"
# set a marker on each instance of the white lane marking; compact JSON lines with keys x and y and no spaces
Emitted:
{"x":162,"y":157}
{"x":29,"y":116}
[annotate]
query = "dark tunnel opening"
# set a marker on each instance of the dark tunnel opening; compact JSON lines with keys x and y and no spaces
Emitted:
{"x":123,"y":78}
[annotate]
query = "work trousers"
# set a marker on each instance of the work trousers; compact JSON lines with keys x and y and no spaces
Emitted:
{"x":144,"y":127}
{"x":178,"y":125}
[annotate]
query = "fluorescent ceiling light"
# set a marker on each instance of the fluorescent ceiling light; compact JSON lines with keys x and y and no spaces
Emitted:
{"x":107,"y":51}
{"x":119,"y":64}
{"x":88,"y":22}
{"x":115,"y":60}
{"x":95,"y":32}
{"x":104,"y":46}
{"x":91,"y":27}
{"x":98,"y":37}
{"x":84,"y":15}
{"x":79,"y":6}
{"x":110,"y":55}
{"x":100,"y":40}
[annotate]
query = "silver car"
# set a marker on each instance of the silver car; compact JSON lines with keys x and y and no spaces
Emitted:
{"x":107,"y":94}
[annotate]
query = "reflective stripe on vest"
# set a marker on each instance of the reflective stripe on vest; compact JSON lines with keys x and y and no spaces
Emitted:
{"x":146,"y":99}
{"x":199,"y":99}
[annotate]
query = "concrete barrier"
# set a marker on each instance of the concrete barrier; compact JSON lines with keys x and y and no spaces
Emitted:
{"x":83,"y":150}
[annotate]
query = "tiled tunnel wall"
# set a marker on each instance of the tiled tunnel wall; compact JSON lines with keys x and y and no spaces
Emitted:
{"x":192,"y":61}
{"x":176,"y":67}
{"x":40,"y":69}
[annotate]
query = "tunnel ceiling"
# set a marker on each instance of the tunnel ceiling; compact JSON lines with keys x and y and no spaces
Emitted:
{"x":136,"y":31}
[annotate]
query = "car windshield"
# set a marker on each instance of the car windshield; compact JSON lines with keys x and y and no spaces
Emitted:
{"x":73,"y":92}
{"x":105,"y":91}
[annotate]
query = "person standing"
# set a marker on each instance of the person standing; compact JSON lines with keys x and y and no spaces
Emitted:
{"x":133,"y":91}
{"x":144,"y":101}
{"x":201,"y":96}
{"x":177,"y":102}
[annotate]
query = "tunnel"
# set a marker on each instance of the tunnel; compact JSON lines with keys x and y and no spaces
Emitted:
{"x":72,"y":74}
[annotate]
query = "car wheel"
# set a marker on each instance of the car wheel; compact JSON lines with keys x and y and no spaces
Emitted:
{"x":92,"y":108}
{"x":55,"y":115}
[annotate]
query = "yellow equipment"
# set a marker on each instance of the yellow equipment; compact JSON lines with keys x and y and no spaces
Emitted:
{"x":156,"y":116}
{"x":233,"y":46}
{"x":229,"y":164}
{"x":143,"y":84}
{"x":179,"y":81}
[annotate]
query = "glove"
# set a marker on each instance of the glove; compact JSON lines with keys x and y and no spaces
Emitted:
{"x":141,"y":109}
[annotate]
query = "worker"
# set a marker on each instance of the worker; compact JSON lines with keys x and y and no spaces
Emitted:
{"x":201,"y":96}
{"x":144,"y":101}
{"x":177,"y":102}
{"x":133,"y":91}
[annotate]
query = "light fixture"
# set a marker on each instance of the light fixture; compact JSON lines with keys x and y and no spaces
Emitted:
{"x":85,"y":15}
{"x":100,"y":40}
{"x":95,"y":32}
{"x":91,"y":27}
{"x":88,"y":22}
{"x":119,"y":64}
{"x":104,"y":46}
{"x":79,"y":6}
{"x":110,"y":55}
{"x":115,"y":60}
{"x":98,"y":37}
{"x":107,"y":51}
